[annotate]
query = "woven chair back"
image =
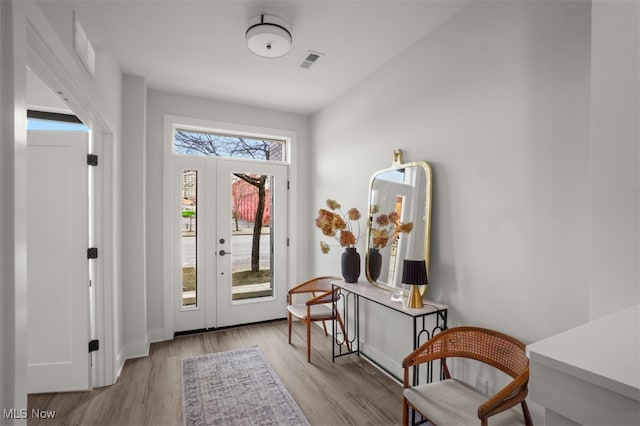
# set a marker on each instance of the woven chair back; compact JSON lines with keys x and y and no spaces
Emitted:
{"x":489,"y":346}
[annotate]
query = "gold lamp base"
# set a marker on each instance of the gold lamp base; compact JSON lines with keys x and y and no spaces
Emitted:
{"x":415,"y":299}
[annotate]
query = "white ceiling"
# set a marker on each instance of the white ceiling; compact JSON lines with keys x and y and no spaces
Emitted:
{"x":198,"y":47}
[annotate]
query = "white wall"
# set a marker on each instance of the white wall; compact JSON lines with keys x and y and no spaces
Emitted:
{"x":104,"y":89}
{"x":134,"y":278}
{"x":161,"y":104}
{"x":497,"y":99}
{"x":615,"y":135}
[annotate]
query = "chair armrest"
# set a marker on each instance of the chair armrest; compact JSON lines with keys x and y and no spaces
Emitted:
{"x":509,"y":396}
{"x":428,"y":351}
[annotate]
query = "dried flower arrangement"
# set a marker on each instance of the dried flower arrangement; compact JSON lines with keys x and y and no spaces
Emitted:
{"x":334,"y":223}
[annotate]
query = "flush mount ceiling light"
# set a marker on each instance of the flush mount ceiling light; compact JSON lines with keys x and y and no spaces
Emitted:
{"x":269,"y":37}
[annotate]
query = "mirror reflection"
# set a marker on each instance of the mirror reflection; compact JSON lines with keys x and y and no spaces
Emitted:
{"x":399,"y":220}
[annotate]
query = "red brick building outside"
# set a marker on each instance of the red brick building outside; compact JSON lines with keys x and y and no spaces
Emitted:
{"x":244,"y":199}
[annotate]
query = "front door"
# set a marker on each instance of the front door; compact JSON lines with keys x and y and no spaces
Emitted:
{"x":231,"y":262}
{"x":58,"y":273}
{"x":252,"y":279}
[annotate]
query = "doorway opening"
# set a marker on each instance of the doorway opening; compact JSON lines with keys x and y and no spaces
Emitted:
{"x":60,"y":229}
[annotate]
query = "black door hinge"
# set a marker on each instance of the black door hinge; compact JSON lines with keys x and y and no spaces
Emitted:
{"x":94,"y":345}
{"x":92,"y":159}
{"x":92,"y":253}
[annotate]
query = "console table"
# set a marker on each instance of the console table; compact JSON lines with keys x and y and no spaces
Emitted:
{"x":351,"y":293}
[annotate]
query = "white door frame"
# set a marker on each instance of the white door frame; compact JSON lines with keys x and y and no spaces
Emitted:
{"x":170,"y":123}
{"x":46,"y":55}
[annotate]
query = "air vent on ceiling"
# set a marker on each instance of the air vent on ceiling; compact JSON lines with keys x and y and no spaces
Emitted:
{"x":310,"y":59}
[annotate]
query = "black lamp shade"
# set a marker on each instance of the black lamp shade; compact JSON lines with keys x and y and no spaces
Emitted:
{"x":414,"y":272}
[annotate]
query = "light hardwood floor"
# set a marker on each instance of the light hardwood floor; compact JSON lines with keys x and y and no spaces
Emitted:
{"x":149,"y":390}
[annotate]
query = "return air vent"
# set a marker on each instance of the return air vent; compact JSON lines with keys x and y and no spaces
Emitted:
{"x":311,"y":59}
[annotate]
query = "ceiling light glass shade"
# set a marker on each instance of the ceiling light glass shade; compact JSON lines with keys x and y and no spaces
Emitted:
{"x":269,"y":38}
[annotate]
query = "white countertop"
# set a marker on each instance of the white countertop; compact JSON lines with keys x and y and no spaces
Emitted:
{"x":605,"y":352}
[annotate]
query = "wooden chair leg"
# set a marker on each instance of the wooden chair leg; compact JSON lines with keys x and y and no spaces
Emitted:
{"x":289,"y":321}
{"x":324,"y":326}
{"x":527,"y":415}
{"x":309,"y":341}
{"x":405,"y":412}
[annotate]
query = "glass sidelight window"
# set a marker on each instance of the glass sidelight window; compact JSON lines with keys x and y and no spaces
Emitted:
{"x":189,"y":239}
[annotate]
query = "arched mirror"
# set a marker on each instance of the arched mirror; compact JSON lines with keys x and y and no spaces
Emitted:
{"x":399,"y":225}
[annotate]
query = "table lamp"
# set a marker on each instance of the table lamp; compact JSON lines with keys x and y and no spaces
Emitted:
{"x":414,"y":273}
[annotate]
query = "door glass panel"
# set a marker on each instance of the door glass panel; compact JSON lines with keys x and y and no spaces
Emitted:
{"x":251,"y":231}
{"x":189,"y":238}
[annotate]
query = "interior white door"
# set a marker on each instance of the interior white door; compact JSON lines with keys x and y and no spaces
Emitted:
{"x":58,"y":274}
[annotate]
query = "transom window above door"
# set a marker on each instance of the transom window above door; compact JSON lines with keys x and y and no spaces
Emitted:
{"x":202,"y":143}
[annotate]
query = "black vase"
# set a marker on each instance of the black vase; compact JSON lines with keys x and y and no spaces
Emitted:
{"x":350,"y":265}
{"x":375,"y":263}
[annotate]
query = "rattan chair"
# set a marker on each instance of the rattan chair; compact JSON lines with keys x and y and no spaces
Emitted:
{"x":452,"y":402}
{"x":319,"y":307}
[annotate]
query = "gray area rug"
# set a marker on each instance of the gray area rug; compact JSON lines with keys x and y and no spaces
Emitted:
{"x":236,"y":387}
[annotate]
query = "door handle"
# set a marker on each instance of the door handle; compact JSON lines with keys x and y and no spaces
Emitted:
{"x":222,"y":252}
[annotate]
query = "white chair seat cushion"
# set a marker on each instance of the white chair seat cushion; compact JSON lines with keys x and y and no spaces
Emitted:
{"x":454,"y":403}
{"x":317,"y":311}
